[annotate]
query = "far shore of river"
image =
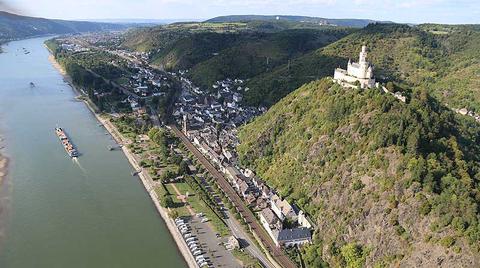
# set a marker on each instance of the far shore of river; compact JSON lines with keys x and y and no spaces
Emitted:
{"x":3,"y":163}
{"x":3,"y":168}
{"x":145,"y":179}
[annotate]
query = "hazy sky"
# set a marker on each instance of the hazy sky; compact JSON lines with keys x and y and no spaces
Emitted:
{"x":415,"y":11}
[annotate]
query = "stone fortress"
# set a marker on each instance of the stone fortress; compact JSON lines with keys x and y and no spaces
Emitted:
{"x":361,"y":72}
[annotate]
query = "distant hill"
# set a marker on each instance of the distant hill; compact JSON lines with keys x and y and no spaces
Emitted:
{"x":388,"y":184}
{"x":215,"y":51}
{"x":257,"y":53}
{"x":300,"y":19}
{"x":14,"y":26}
{"x":440,"y":58}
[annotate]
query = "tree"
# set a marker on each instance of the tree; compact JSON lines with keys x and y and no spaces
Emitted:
{"x":183,"y":168}
{"x":167,"y":201}
{"x":390,"y":86}
{"x":354,"y":255}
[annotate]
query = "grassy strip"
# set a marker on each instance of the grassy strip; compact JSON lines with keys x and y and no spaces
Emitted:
{"x":198,"y":205}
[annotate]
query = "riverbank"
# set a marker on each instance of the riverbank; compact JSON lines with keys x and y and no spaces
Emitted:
{"x":144,"y":177}
{"x":3,"y":163}
{"x":3,"y":168}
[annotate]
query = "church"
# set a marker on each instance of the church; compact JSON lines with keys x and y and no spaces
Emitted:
{"x":361,"y":72}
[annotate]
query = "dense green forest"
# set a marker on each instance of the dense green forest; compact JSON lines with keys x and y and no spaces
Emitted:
{"x":442,"y":59}
{"x":357,"y":161}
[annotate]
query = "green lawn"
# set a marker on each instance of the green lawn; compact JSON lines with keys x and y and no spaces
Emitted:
{"x":247,"y":260}
{"x":199,"y":205}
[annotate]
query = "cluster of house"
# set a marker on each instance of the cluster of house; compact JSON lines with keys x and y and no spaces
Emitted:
{"x":72,"y":47}
{"x":145,"y":82}
{"x":210,"y":120}
{"x":284,"y":222}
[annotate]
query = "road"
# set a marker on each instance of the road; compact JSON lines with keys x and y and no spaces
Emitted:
{"x":247,"y":215}
{"x":238,"y":232}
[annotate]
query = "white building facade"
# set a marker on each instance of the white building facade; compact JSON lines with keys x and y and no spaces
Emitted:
{"x":361,"y":72}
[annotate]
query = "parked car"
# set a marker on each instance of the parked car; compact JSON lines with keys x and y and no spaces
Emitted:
{"x":197,"y":252}
{"x":190,"y":239}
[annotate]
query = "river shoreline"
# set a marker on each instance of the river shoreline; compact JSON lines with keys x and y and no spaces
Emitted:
{"x":3,"y":168}
{"x":144,"y":178}
{"x":3,"y":163}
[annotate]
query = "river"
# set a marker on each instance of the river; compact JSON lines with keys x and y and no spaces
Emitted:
{"x":61,"y":213}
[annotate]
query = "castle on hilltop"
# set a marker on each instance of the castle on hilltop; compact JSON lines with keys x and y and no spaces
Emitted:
{"x":361,"y":72}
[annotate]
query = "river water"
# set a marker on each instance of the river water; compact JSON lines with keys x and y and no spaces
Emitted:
{"x":61,"y":213}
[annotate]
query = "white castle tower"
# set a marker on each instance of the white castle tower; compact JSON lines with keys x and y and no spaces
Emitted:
{"x":361,"y":72}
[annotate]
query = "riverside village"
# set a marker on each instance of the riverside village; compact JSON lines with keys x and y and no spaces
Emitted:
{"x":209,"y":120}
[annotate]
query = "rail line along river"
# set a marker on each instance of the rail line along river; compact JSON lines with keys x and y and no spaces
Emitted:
{"x":57,"y":212}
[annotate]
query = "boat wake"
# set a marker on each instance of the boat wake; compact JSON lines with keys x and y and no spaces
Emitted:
{"x":75,"y":160}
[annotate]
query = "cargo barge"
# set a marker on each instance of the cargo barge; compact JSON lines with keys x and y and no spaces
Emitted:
{"x":69,"y":148}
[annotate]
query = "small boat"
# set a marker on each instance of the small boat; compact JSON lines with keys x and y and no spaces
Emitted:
{"x":32,"y":84}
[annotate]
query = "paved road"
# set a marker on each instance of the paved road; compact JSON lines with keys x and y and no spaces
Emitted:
{"x":252,"y":222}
{"x":238,"y":231}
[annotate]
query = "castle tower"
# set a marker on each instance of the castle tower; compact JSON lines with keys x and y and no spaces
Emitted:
{"x":363,"y":56}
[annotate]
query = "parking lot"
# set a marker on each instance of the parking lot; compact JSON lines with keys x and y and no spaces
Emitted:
{"x":208,"y":248}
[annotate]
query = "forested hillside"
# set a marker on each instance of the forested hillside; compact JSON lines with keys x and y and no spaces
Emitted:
{"x":215,"y":51}
{"x":254,"y":54}
{"x":15,"y":26}
{"x":387,"y":183}
{"x":442,"y":59}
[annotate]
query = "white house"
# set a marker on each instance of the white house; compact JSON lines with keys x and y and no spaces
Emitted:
{"x":282,"y":208}
{"x":271,"y":223}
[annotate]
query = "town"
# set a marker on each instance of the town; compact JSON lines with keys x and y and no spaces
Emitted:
{"x":210,"y":119}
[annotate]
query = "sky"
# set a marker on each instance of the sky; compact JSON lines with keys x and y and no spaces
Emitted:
{"x":407,"y":11}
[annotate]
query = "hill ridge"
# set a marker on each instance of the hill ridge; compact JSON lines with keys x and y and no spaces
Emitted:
{"x":397,"y":183}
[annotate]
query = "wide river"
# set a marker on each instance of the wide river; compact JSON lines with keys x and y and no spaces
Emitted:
{"x":57,"y":212}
